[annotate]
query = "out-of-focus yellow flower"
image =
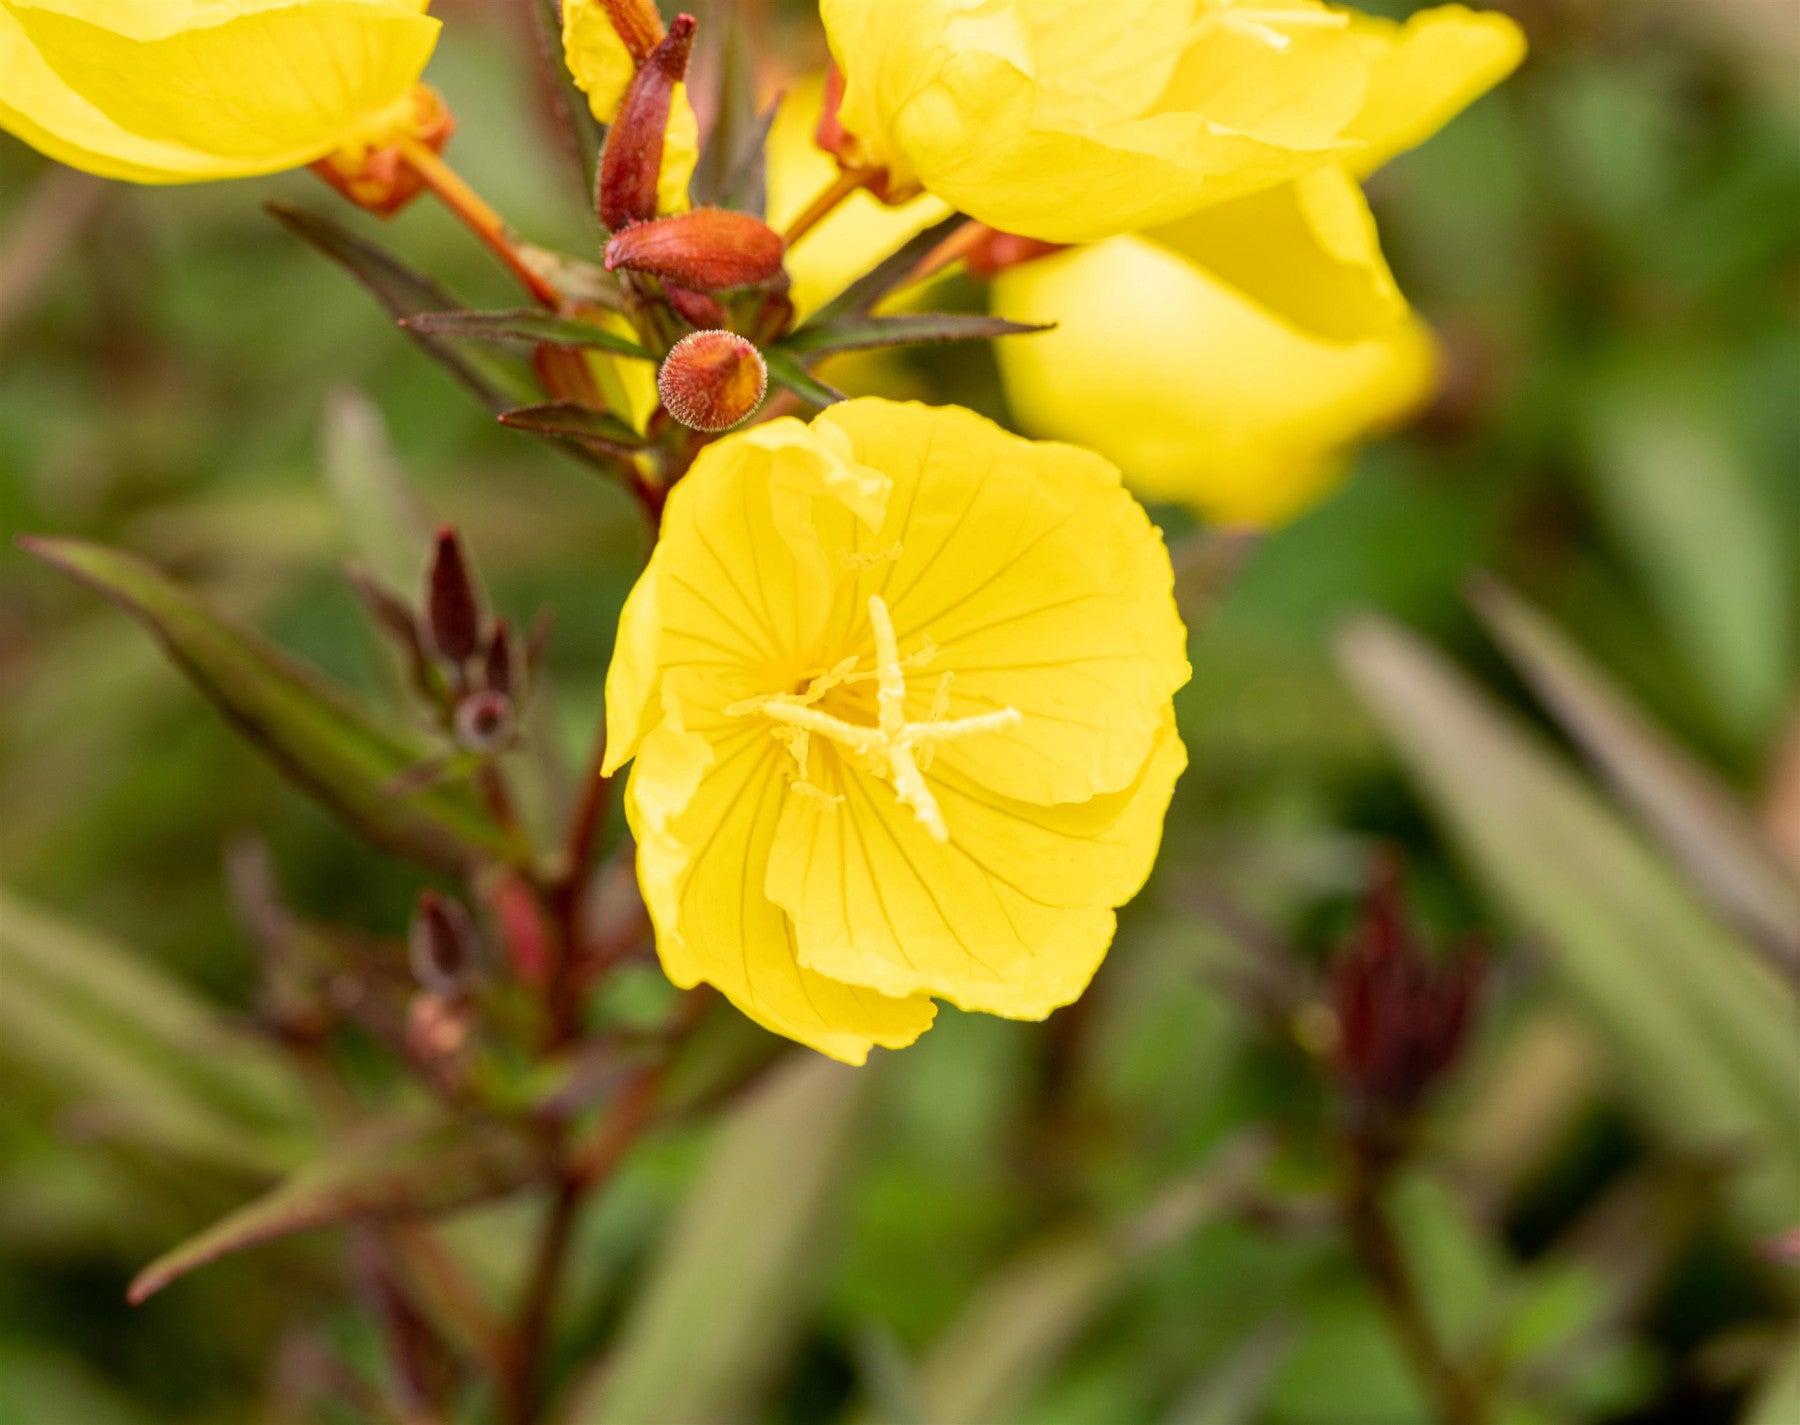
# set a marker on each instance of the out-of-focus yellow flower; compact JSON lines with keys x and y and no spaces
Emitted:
{"x":1228,"y":360}
{"x":187,"y":90}
{"x":856,"y":234}
{"x":1074,"y":120}
{"x":602,"y":65}
{"x":898,"y":686}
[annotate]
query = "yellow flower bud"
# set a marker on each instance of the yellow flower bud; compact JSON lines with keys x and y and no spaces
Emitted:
{"x":190,"y":90}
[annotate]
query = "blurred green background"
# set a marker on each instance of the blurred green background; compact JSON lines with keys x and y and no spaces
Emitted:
{"x":1025,"y":1223}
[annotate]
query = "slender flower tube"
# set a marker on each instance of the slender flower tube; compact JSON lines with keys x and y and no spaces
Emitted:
{"x":1228,"y":360}
{"x":898,"y":685}
{"x":190,"y":90}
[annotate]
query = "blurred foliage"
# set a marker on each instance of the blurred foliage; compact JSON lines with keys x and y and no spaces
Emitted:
{"x":1114,"y":1216}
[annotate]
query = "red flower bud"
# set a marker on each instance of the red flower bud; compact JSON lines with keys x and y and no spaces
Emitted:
{"x":498,"y":665}
{"x":452,"y":608}
{"x":697,"y":309}
{"x":441,"y":946}
{"x":711,"y":380}
{"x":707,"y":249}
{"x":632,"y":162}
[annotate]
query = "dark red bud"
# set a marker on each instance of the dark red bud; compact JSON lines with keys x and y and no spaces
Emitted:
{"x":441,"y":946}
{"x":452,"y":609}
{"x":498,"y":669}
{"x":711,"y":380}
{"x":708,"y":249}
{"x":632,"y":162}
{"x":697,"y":309}
{"x":484,"y":722}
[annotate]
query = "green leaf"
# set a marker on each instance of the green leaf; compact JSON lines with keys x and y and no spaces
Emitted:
{"x":787,"y":372}
{"x":862,"y":295}
{"x":570,"y":420}
{"x":726,"y":1293}
{"x":1695,"y":816}
{"x":526,"y":328}
{"x":326,"y":742}
{"x":145,"y":1059}
{"x":1705,"y":1030}
{"x":406,"y":293}
{"x":1710,"y":550}
{"x":407,"y":1166}
{"x":818,"y":339}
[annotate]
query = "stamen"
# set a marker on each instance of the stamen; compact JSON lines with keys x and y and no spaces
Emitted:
{"x":817,"y":794}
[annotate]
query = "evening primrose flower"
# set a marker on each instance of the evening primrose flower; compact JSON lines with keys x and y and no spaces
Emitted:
{"x":1230,"y":359}
{"x":1071,"y":122}
{"x":189,"y":90}
{"x":898,"y":688}
{"x":602,"y":61}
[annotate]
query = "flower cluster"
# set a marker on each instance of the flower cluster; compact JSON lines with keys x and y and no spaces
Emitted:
{"x":897,"y":682}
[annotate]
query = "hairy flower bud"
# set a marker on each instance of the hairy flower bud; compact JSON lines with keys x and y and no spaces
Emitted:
{"x":441,"y":946}
{"x":706,"y":249}
{"x":711,"y":380}
{"x":632,"y":163}
{"x":452,"y":609}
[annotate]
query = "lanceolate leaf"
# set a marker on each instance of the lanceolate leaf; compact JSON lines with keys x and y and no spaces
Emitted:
{"x":863,"y":333}
{"x":1707,"y":1032}
{"x":406,"y":293}
{"x":570,"y":420}
{"x":110,"y":1036}
{"x":523,"y":329}
{"x":785,"y":370}
{"x":324,"y":740}
{"x":860,"y":297}
{"x":403,"y":1167}
{"x":1688,"y":809}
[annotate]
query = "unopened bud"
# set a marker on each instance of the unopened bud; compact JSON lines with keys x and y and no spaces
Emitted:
{"x":697,"y":309}
{"x":484,"y":722}
{"x":374,"y":174}
{"x":632,"y":162}
{"x":708,"y":249}
{"x":440,"y":947}
{"x":711,"y":380}
{"x":452,"y":610}
{"x":498,"y":669}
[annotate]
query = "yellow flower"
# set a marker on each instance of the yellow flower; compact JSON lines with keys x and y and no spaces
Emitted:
{"x":602,"y":65}
{"x":1073,"y":120}
{"x":898,"y":686}
{"x":856,"y":234}
{"x":188,"y":90}
{"x":1229,"y":360}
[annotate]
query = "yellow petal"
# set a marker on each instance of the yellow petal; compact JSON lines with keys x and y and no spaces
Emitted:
{"x":37,"y":106}
{"x":1199,"y":394}
{"x":858,"y":233}
{"x":681,"y":151}
{"x":1010,"y":916}
{"x":1043,"y":586}
{"x":253,"y":85}
{"x":1073,"y":121}
{"x":704,"y":811}
{"x":1306,"y":250}
{"x":1426,"y":72}
{"x":599,"y":61}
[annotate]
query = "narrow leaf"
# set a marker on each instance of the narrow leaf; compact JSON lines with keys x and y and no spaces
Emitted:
{"x":570,"y":420}
{"x":1706,"y":1029}
{"x":110,"y":1035}
{"x":405,"y":293}
{"x":725,"y":1296}
{"x":860,"y":297}
{"x":1687,"y":808}
{"x":403,"y":1167}
{"x":786,"y":371}
{"x":314,"y":731}
{"x":525,"y":328}
{"x":864,"y":333}
{"x":733,"y":140}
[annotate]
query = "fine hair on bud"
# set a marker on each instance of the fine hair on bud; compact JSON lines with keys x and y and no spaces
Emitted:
{"x":711,"y":380}
{"x":707,"y":249}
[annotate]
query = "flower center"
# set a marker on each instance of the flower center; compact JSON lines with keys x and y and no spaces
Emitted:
{"x":894,"y":749}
